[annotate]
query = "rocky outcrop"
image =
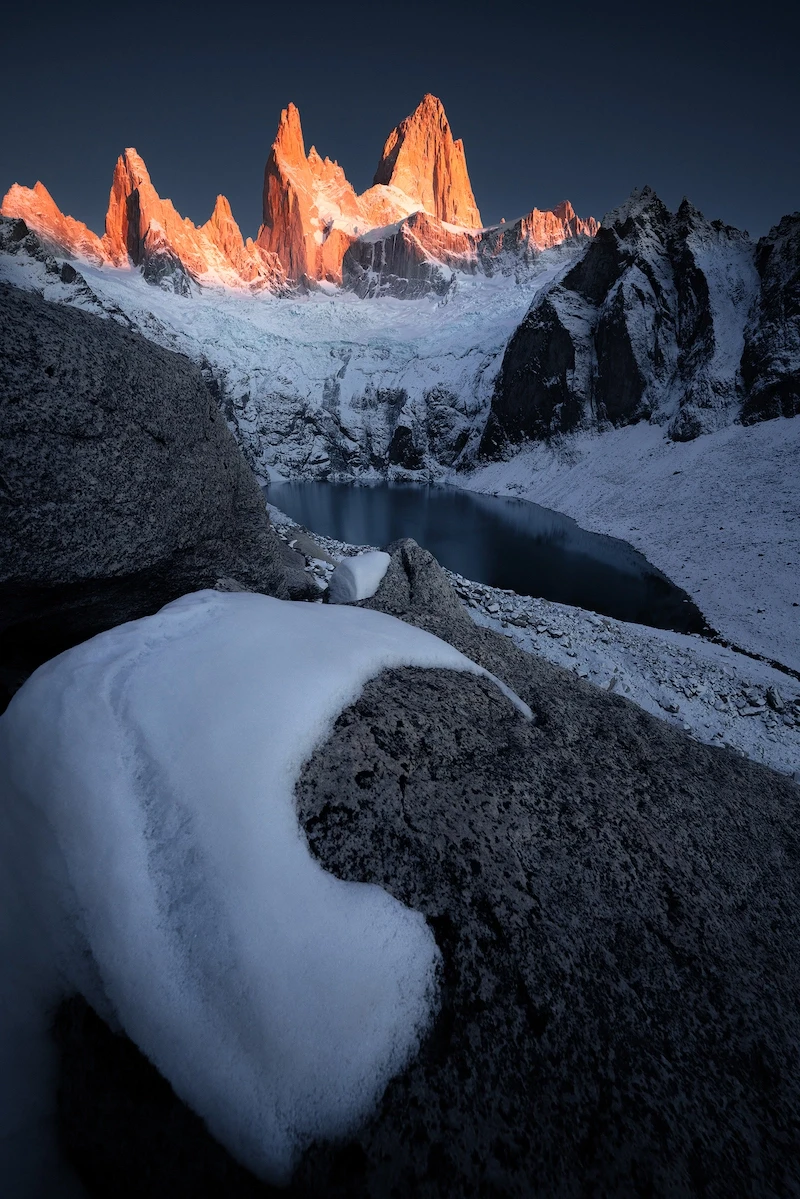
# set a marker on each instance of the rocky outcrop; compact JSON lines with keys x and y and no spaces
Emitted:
{"x":57,"y":232}
{"x":121,"y":488}
{"x":649,"y":324}
{"x":142,"y":230}
{"x":418,"y":256}
{"x":310,"y":211}
{"x":421,"y":159}
{"x":312,"y":215}
{"x":771,"y":362}
{"x":422,"y":255}
{"x":605,"y":987}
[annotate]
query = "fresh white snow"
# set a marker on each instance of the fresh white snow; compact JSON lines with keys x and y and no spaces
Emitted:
{"x":716,"y":694}
{"x":358,"y":577}
{"x":306,"y":372}
{"x":720,"y":516}
{"x":150,"y":858}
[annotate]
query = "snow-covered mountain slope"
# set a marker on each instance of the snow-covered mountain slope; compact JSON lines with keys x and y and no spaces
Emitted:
{"x":720,"y":515}
{"x":325,"y":383}
{"x":651,"y":323}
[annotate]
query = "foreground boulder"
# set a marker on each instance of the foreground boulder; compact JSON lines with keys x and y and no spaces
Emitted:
{"x":616,"y":905}
{"x":617,"y":909}
{"x":121,"y":489}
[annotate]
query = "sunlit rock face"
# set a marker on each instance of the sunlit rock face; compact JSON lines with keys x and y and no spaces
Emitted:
{"x":37,"y":208}
{"x":145,"y":231}
{"x":421,"y":158}
{"x":422,"y":254}
{"x":409,"y":233}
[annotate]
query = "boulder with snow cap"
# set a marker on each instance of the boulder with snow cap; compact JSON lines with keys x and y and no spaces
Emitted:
{"x":603,"y":987}
{"x":358,"y":577}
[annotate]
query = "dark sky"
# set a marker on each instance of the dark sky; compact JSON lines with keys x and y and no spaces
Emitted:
{"x":563,"y":101}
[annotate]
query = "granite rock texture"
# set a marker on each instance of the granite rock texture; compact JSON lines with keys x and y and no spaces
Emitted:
{"x":121,"y":489}
{"x":617,"y":908}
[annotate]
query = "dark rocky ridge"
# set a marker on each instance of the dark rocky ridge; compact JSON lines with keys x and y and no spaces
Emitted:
{"x":122,"y":487}
{"x":617,"y":906}
{"x":667,"y":317}
{"x":771,"y":363}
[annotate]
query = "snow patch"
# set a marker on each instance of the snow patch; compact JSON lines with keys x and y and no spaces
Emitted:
{"x":151,"y":860}
{"x":358,"y":578}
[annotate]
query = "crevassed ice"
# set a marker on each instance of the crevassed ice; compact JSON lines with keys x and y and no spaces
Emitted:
{"x":149,"y":818}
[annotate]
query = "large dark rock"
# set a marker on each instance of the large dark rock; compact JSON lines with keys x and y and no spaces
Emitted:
{"x":771,"y":363}
{"x":121,"y":487}
{"x":650,"y":323}
{"x":617,"y":909}
{"x":617,"y":906}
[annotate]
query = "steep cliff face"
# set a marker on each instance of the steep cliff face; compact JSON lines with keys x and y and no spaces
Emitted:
{"x":311,"y":213}
{"x":771,"y":362}
{"x":145,"y":231}
{"x":311,"y":217}
{"x":422,"y":254}
{"x":421,"y":158}
{"x":649,"y":324}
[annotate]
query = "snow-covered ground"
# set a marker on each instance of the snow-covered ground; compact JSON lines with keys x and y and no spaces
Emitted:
{"x":718,"y":695}
{"x":719,"y":515}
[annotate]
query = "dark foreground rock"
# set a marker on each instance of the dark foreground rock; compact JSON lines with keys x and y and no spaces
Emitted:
{"x":121,"y":487}
{"x":618,"y":908}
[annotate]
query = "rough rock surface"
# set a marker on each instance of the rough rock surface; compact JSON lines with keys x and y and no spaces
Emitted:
{"x":771,"y":363}
{"x":422,"y":255}
{"x":649,"y":324}
{"x":617,"y":909}
{"x":121,"y":489}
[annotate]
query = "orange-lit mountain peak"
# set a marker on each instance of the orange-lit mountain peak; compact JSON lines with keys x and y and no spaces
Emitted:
{"x":288,"y":142}
{"x":421,"y":158}
{"x":37,"y":208}
{"x":311,"y":213}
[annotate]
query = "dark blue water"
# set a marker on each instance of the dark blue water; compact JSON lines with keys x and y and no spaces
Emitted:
{"x":502,"y":542}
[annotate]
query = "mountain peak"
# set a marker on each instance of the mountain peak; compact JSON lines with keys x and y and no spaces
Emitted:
{"x":288,"y":144}
{"x":422,"y":159}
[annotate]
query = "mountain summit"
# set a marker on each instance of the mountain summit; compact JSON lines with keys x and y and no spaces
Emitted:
{"x":421,"y":158}
{"x":315,"y":228}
